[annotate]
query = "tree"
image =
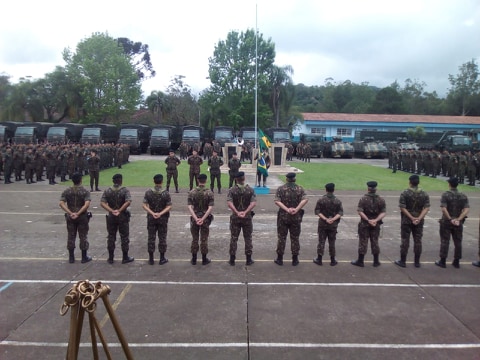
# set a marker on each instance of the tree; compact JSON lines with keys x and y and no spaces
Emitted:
{"x":417,"y":133}
{"x":157,"y":102}
{"x":465,"y":88}
{"x":279,"y":80}
{"x":108,"y":82}
{"x":139,"y":56}
{"x":388,"y":101}
{"x":183,"y":108}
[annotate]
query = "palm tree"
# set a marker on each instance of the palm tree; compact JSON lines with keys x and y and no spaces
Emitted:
{"x":157,"y":103}
{"x":279,"y":79}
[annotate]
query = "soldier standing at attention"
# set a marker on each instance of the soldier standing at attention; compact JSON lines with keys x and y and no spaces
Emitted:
{"x":75,"y":202}
{"x":200,"y":205}
{"x":477,"y":263}
{"x":241,"y":200}
{"x":215,"y":163}
{"x":372,"y":209}
{"x":94,"y":169}
{"x":194,"y":161}
{"x":290,"y":198}
{"x":455,"y":207}
{"x":172,"y":162}
{"x":116,"y":200}
{"x":329,"y":210}
{"x":157,"y":203}
{"x":234,"y":166}
{"x":414,"y":205}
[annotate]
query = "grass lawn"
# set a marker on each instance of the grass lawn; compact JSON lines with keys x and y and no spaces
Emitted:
{"x":315,"y":176}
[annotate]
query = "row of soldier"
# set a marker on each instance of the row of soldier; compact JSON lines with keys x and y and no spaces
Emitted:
{"x":464,"y":165}
{"x":32,"y":162}
{"x":414,"y":204}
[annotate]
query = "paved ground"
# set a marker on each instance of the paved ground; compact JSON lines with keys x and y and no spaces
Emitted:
{"x":180,"y":311}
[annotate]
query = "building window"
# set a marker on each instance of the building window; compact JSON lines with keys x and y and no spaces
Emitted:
{"x":320,"y":131}
{"x":344,"y":132}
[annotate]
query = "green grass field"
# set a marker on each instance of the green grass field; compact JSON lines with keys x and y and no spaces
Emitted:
{"x":314,"y":177}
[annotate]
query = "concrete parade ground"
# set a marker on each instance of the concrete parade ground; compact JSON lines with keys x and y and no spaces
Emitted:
{"x":218,"y":311}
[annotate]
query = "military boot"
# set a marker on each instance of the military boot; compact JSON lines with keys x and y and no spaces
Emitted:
{"x":402,"y":260}
{"x":295,"y":261}
{"x":163,"y":259}
{"x":127,"y":259}
{"x":194,"y":259}
{"x":232,"y":260}
{"x":318,"y":260}
{"x":110,"y":256}
{"x":359,"y":261}
{"x":456,"y":263}
{"x":417,"y":260}
{"x":476,"y":263}
{"x":71,"y":256}
{"x":150,"y":258}
{"x":376,"y":262}
{"x":279,"y":260}
{"x":441,"y":263}
{"x":333,"y":261}
{"x":205,"y":260}
{"x":249,"y":260}
{"x":85,"y":257}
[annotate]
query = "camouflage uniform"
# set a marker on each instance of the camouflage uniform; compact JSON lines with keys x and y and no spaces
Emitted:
{"x":75,"y":198}
{"x":7,"y":165}
{"x":233,"y":167}
{"x":115,"y":197}
{"x":371,"y":205}
{"x":241,"y":196}
{"x":200,"y":198}
{"x":157,"y":200}
{"x":290,"y":194}
{"x":172,"y":163}
{"x":194,"y":161}
{"x":29,"y":166}
{"x":414,"y":200}
{"x":454,"y":201}
{"x":215,"y":162}
{"x":329,"y":206}
{"x":94,"y":170}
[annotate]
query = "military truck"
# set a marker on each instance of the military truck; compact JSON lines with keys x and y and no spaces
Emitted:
{"x":192,"y":134}
{"x":223,"y":134}
{"x":99,"y":134}
{"x":137,"y":136}
{"x":7,"y":131}
{"x":316,"y":141}
{"x":163,"y":138}
{"x":65,"y":133}
{"x":451,"y":141}
{"x":31,"y":132}
{"x":278,"y":135}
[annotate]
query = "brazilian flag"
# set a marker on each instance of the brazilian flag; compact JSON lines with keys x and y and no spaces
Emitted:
{"x":262,"y":166}
{"x":263,"y":140}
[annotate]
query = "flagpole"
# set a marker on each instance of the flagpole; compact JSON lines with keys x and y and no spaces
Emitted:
{"x":256,"y":87}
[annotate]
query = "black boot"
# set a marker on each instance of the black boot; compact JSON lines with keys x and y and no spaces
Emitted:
{"x":249,"y":260}
{"x":318,"y":260}
{"x":401,"y":262}
{"x":205,"y":260}
{"x":359,"y":261}
{"x":150,"y":258}
{"x":417,"y":260}
{"x":85,"y":257}
{"x":333,"y":262}
{"x":441,"y":263}
{"x":71,"y":256}
{"x":279,"y":260}
{"x":376,"y":262}
{"x":110,"y":256}
{"x":194,"y":259}
{"x":456,"y":263}
{"x":127,"y":259}
{"x":232,"y":260}
{"x":295,"y":261}
{"x":476,"y":263}
{"x":176,"y":189}
{"x":32,"y":182}
{"x":163,"y":259}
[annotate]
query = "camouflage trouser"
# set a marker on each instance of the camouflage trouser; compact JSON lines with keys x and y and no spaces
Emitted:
{"x":80,"y":226}
{"x":154,"y":227}
{"x":121,"y":224}
{"x":417,"y":233}
{"x":212,"y":181}
{"x":174,"y":174}
{"x":447,"y":229}
{"x":94,"y":177}
{"x":365,"y":233}
{"x":193,"y":176}
{"x":236,"y":225}
{"x":324,"y":233}
{"x":29,"y":171}
{"x":284,"y":225}
{"x":199,"y":233}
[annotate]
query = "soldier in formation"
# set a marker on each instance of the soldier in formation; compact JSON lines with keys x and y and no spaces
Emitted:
{"x":234,"y":165}
{"x":172,"y":163}
{"x":195,"y":161}
{"x":215,"y":163}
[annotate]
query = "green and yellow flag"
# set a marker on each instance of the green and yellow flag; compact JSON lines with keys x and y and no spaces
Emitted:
{"x":263,"y":140}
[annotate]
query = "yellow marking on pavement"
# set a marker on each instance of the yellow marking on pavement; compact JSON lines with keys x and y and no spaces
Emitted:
{"x":116,"y":303}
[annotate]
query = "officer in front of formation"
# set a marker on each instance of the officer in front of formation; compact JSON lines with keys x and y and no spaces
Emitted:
{"x":195,"y":162}
{"x":371,"y":209}
{"x":241,"y":199}
{"x":172,"y":162}
{"x":215,"y":163}
{"x":290,"y":198}
{"x":116,"y":200}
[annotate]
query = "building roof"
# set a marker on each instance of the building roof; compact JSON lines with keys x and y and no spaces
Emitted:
{"x":429,"y":119}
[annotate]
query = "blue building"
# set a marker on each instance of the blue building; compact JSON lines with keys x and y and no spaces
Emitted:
{"x":345,"y":126}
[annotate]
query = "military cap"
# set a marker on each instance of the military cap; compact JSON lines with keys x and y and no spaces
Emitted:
{"x":239,"y":174}
{"x":117,"y":177}
{"x":202,"y":177}
{"x":453,"y":181}
{"x":372,"y":184}
{"x":291,"y":175}
{"x":330,"y":187}
{"x":414,"y":178}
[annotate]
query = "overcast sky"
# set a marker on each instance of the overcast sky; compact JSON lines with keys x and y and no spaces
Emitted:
{"x":374,"y":41}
